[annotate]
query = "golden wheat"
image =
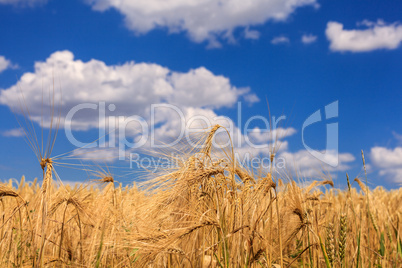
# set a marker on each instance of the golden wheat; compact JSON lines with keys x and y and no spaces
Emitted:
{"x":203,"y":213}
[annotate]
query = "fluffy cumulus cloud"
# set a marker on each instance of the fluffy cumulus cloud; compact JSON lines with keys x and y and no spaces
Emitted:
{"x":376,"y":35}
{"x":23,"y":3}
{"x":305,"y":165}
{"x":202,"y":19}
{"x":388,"y":161}
{"x":131,"y":87}
{"x":308,"y":38}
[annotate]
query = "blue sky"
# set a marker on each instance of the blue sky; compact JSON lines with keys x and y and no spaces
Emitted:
{"x":205,"y":58}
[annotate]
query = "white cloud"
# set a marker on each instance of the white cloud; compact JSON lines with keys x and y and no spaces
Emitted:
{"x":280,"y":40}
{"x":378,"y":35}
{"x":395,"y":174}
{"x":16,"y":132}
{"x":258,"y":135}
{"x":23,"y":3}
{"x":388,"y":161}
{"x":201,"y":88}
{"x":306,"y":165}
{"x":203,"y":20}
{"x":103,"y":155}
{"x":6,"y":64}
{"x":386,"y":158}
{"x":132,"y":87}
{"x":308,"y":38}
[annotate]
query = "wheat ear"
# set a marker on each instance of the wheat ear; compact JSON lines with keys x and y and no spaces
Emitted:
{"x":330,"y":243}
{"x":208,"y":141}
{"x":342,"y":237}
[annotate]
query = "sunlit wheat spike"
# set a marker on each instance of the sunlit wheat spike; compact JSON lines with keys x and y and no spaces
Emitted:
{"x":243,"y":175}
{"x":206,"y":173}
{"x":47,"y":179}
{"x":349,"y":186}
{"x":268,"y":182}
{"x":208,"y":141}
{"x":193,"y":228}
{"x":328,"y":182}
{"x":361,"y":184}
{"x":373,"y":221}
{"x":5,"y":191}
{"x":342,"y":237}
{"x":330,"y":242}
{"x":106,"y":179}
{"x":104,"y":175}
{"x":175,"y":251}
{"x":318,"y":183}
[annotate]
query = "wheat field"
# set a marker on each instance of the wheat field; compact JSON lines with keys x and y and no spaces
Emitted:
{"x":205,"y":213}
